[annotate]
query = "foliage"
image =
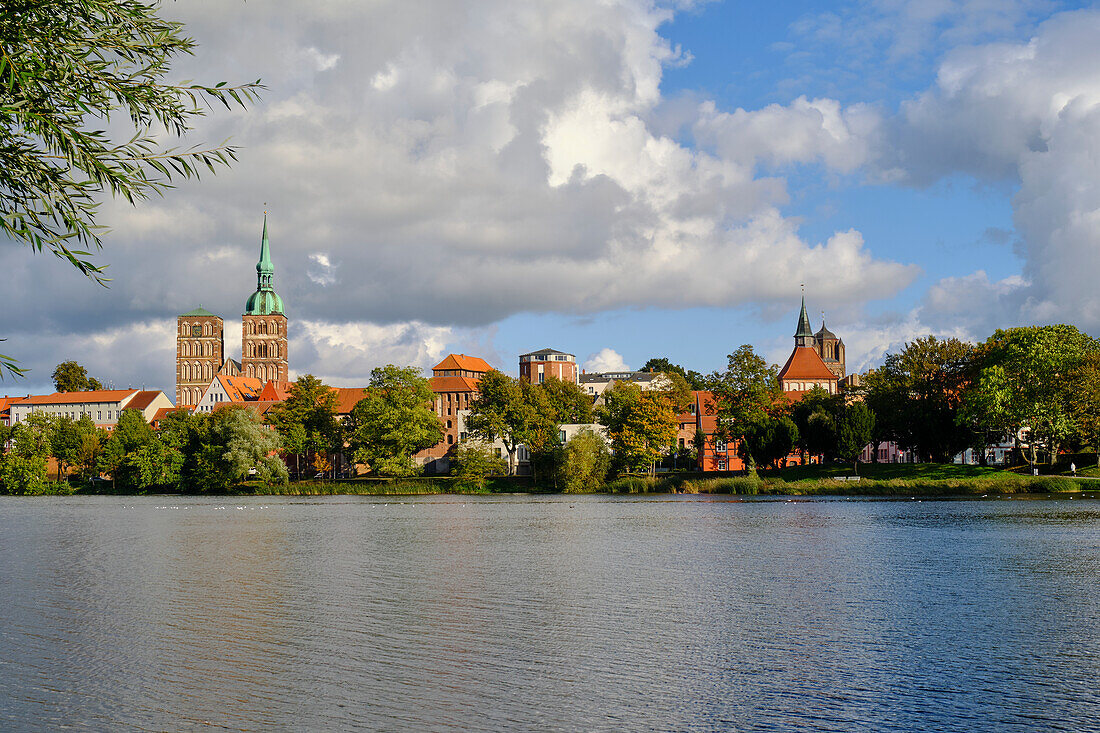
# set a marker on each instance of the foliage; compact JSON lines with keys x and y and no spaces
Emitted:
{"x":71,"y":377}
{"x":567,"y":403}
{"x":131,"y":435}
{"x":394,"y":420}
{"x":916,"y":395}
{"x":693,"y":379}
{"x":641,"y":424}
{"x":815,"y":415}
{"x":235,"y":442}
{"x":474,"y":462}
{"x":1025,"y":380}
{"x":857,"y":425}
{"x":23,"y":474}
{"x":308,"y":418}
{"x":768,"y":440}
{"x":747,"y":395}
{"x":1084,"y":400}
{"x":585,"y":462}
{"x":502,"y":411}
{"x":76,"y":443}
{"x":67,"y":67}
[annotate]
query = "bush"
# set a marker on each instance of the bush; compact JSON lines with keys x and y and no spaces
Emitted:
{"x":23,"y":474}
{"x":1052,"y":484}
{"x":585,"y":462}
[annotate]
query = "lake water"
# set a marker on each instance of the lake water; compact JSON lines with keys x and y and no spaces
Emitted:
{"x":548,"y":613}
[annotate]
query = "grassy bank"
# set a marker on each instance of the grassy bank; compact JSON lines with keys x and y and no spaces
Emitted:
{"x":980,"y":485}
{"x":420,"y":485}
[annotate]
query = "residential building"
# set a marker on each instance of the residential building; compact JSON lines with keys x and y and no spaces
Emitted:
{"x":103,"y":406}
{"x":595,"y":384}
{"x":538,"y":366}
{"x":701,"y":419}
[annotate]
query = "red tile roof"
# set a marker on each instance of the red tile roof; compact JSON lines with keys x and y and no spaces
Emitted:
{"x":453,"y":384}
{"x":142,"y":399}
{"x":76,"y":398}
{"x":461,"y":362}
{"x":274,"y":391}
{"x":347,"y":398}
{"x":240,"y":389}
{"x":805,"y":363}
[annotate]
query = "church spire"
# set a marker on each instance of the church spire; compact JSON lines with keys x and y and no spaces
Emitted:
{"x":804,"y":336}
{"x":264,"y":301}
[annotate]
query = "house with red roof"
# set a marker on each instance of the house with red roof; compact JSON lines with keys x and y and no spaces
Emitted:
{"x":103,"y":406}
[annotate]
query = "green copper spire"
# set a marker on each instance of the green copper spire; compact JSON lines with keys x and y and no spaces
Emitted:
{"x":805,"y":335}
{"x":264,"y":301}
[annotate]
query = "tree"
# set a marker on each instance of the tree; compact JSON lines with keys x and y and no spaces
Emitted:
{"x":746,"y":395}
{"x":23,"y":468}
{"x":641,"y":424}
{"x":394,"y":421}
{"x":67,"y":66}
{"x":71,"y":442}
{"x":857,"y":425}
{"x":567,"y":402}
{"x":694,"y":380}
{"x":234,"y":443}
{"x":917,"y":394}
{"x":1024,"y":382}
{"x":130,"y":435}
{"x":501,"y":411}
{"x":474,"y":462}
{"x":768,"y":440}
{"x":585,"y":462}
{"x":311,"y":409}
{"x":1084,"y":400}
{"x":71,"y":377}
{"x":815,"y":416}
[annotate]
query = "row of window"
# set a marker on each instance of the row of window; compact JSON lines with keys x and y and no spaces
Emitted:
{"x":261,"y":327}
{"x":195,"y":329}
{"x":545,"y":357}
{"x":203,"y":348}
{"x":262,"y":350}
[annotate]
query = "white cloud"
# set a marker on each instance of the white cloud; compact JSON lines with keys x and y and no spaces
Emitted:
{"x":321,"y":270}
{"x":605,"y":360}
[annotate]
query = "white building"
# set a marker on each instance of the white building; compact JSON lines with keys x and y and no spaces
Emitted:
{"x":103,"y":406}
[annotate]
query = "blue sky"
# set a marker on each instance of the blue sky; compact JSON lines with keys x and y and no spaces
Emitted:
{"x":619,"y":180}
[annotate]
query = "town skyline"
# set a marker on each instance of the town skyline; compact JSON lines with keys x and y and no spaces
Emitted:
{"x":423,"y":197}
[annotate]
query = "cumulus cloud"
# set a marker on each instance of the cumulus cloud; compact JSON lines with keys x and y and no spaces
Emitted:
{"x":605,"y":360}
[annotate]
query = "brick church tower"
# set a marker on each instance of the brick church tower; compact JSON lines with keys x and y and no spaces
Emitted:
{"x":200,"y":349}
{"x":263,"y":325}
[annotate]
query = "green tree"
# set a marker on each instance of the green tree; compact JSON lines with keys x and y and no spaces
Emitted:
{"x":502,"y":411}
{"x":746,"y":396}
{"x":768,"y":440}
{"x":917,"y":394}
{"x":233,"y":444}
{"x":1084,"y":400}
{"x":694,"y":380}
{"x":68,"y":67}
{"x":815,"y":416}
{"x":22,"y":474}
{"x":857,"y":425}
{"x":70,"y":441}
{"x":394,"y":421}
{"x":474,"y":462}
{"x":567,"y":402}
{"x":585,"y":462}
{"x":310,"y":407}
{"x":1024,"y":383}
{"x":641,"y":424}
{"x":130,"y":435}
{"x":71,"y":377}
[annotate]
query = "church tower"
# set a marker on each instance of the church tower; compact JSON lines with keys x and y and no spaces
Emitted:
{"x":804,"y":336}
{"x":263,"y":325}
{"x":200,"y":347}
{"x":830,"y":348}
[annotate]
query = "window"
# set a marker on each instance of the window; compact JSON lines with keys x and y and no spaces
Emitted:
{"x":722,"y":465}
{"x":681,"y":443}
{"x":719,"y":445}
{"x":448,"y":423}
{"x":561,"y":435}
{"x":496,"y":452}
{"x":99,"y":415}
{"x":450,"y":439}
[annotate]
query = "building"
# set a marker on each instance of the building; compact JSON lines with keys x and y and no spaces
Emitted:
{"x":538,"y":366}
{"x":701,"y":420}
{"x":103,"y":406}
{"x":264,"y":324}
{"x":454,"y":381}
{"x":805,"y":368}
{"x":200,"y":339}
{"x":595,"y":384}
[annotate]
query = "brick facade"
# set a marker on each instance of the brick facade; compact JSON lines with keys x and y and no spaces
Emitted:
{"x":200,"y":352}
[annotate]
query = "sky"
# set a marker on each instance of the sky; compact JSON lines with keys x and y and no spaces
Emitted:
{"x":617,"y":179}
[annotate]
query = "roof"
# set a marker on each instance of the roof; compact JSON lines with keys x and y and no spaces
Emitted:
{"x":274,"y":391}
{"x":239,"y":389}
{"x":143,"y":399}
{"x":347,"y":398}
{"x":77,"y":398}
{"x":199,"y":312}
{"x":824,"y":333}
{"x":547,"y":351}
{"x":804,"y":363}
{"x":804,"y":322}
{"x":461,"y":362}
{"x":453,"y":384}
{"x":163,"y":412}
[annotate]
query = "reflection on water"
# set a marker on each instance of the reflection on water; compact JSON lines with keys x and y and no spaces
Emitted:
{"x":575,"y":613}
